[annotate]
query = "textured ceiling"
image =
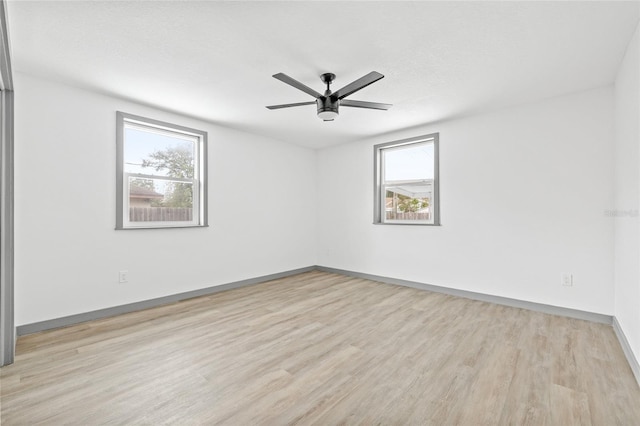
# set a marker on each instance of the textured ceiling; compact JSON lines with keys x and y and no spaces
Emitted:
{"x":214,"y":60}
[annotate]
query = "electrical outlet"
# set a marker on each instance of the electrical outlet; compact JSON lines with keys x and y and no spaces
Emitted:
{"x":567,"y":280}
{"x":123,"y":276}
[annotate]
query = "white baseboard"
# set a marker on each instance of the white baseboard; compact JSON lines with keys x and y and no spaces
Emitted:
{"x":626,"y":348}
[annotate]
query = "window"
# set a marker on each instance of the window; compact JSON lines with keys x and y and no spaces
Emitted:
{"x":161,"y":174}
{"x":406,"y":182}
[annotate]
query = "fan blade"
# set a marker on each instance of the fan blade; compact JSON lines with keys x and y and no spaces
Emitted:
{"x":360,"y":83}
{"x":291,"y":105}
{"x":295,"y":83}
{"x":364,"y":104}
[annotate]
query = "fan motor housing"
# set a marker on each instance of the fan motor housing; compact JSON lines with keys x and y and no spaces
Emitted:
{"x":327,"y":107}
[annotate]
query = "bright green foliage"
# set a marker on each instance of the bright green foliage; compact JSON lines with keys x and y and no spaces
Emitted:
{"x":411,"y":205}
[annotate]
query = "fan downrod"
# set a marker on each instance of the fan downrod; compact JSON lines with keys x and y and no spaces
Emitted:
{"x":327,"y":78}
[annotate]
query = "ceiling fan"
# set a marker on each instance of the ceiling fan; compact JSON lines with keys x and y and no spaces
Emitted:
{"x":329,"y":103}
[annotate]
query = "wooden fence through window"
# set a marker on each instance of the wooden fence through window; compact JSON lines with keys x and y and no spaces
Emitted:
{"x":407,"y":216}
{"x":160,"y":214}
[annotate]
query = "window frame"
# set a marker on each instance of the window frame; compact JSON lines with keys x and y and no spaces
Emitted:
{"x":199,"y":180}
{"x":380,"y":186}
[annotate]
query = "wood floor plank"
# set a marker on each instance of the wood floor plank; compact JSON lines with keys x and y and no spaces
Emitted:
{"x":324,"y":349}
{"x":569,"y":407}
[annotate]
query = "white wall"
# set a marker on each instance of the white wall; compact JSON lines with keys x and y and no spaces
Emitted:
{"x":523,"y":195}
{"x":261,"y":209}
{"x":627,"y":193}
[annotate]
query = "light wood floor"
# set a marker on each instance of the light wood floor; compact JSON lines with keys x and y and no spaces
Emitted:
{"x":323,"y":349}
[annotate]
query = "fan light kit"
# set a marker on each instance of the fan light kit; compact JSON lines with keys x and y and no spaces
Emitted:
{"x":329,"y":103}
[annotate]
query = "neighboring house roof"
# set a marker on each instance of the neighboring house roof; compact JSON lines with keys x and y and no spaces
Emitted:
{"x":141,"y":192}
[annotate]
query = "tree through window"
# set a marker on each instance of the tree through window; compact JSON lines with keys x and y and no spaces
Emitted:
{"x":161,"y":174}
{"x":406,"y":181}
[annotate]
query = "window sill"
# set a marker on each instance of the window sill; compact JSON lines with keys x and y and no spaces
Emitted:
{"x":407,"y":224}
{"x":134,"y":228}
